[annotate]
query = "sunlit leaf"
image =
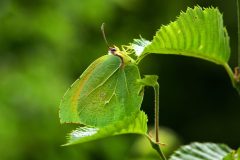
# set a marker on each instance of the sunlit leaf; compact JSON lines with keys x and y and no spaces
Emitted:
{"x":196,"y":33}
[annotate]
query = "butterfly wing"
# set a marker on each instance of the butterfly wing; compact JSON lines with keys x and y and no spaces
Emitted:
{"x":104,"y":93}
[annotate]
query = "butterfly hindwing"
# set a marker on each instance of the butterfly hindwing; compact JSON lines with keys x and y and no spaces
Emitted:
{"x":106,"y":92}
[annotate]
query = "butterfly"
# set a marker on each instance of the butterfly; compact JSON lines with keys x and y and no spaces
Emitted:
{"x":106,"y":92}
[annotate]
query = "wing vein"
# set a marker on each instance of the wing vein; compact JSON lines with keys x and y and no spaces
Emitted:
{"x":125,"y":78}
{"x":103,"y":82}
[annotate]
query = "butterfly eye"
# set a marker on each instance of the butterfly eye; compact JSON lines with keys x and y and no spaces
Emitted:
{"x":112,"y":50}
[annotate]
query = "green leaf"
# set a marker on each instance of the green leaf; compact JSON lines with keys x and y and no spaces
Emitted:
{"x":105,"y":93}
{"x":136,"y":123}
{"x":201,"y":151}
{"x":148,"y":80}
{"x":198,"y":33}
{"x":234,"y":155}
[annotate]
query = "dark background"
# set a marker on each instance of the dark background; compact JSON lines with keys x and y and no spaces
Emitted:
{"x":46,"y":44}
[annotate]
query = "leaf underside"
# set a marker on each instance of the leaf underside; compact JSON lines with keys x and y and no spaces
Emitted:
{"x":134,"y":124}
{"x":197,"y":33}
{"x":201,"y":151}
{"x":105,"y":93}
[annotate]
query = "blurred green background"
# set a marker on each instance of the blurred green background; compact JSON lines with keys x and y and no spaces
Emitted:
{"x":46,"y":44}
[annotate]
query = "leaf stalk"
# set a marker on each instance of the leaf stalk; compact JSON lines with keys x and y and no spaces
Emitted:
{"x":156,"y":93}
{"x":156,"y":145}
{"x":238,"y":39}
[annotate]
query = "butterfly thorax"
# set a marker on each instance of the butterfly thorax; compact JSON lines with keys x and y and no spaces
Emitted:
{"x":122,"y":54}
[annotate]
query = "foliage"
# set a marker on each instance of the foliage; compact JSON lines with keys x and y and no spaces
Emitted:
{"x":197,"y":33}
{"x":201,"y":151}
{"x":45,"y":45}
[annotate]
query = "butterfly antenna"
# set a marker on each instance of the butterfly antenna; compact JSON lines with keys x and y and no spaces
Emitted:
{"x":104,"y":36}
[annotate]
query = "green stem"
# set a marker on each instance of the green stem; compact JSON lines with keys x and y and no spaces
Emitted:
{"x":238,"y":23}
{"x":230,"y":73}
{"x":156,"y":93}
{"x":156,"y":145}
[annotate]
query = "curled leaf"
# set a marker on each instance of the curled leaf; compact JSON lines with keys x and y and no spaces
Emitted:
{"x":134,"y":124}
